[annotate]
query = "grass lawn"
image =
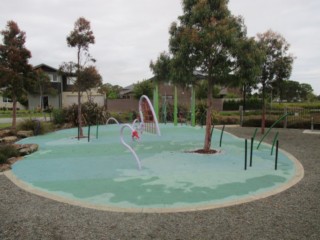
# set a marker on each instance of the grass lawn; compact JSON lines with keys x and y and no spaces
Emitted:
{"x":5,"y":125}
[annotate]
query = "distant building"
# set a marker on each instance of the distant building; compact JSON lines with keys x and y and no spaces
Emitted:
{"x":64,"y":96}
{"x":6,"y":103}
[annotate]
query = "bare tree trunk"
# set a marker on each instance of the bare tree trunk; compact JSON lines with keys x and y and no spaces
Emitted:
{"x":207,"y":140}
{"x":263,"y":117}
{"x":79,"y":98}
{"x":79,"y":115}
{"x":14,"y":113}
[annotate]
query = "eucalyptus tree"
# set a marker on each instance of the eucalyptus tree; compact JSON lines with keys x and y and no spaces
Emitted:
{"x":249,"y":60}
{"x":80,"y":38}
{"x":205,"y":39}
{"x":14,"y":64}
{"x":277,"y":64}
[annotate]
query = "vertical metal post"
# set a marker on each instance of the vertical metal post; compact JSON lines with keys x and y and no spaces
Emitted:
{"x":254,"y":134}
{"x":78,"y":132}
{"x":286,"y":118}
{"x":97,"y":131}
{"x":241,"y":115}
{"x":245,"y":154}
{"x":251,"y":149}
{"x":175,"y":107}
{"x":193,"y":107}
{"x":156,"y":100}
{"x":276,"y":162}
{"x":89,"y":133}
{"x":222,"y":135}
{"x":274,"y":142}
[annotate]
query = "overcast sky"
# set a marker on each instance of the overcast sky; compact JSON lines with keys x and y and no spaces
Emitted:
{"x":131,"y":33}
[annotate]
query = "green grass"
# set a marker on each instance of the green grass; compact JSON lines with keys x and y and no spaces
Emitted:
{"x":5,"y":125}
{"x":21,"y":113}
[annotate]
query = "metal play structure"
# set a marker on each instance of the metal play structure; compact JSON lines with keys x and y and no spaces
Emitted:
{"x":147,"y":122}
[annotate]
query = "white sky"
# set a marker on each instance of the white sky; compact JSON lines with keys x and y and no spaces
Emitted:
{"x":131,"y":33}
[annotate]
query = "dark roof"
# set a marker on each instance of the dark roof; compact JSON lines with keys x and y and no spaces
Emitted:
{"x":46,"y":67}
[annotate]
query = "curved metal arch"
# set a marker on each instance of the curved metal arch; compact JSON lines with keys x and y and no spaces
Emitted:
{"x":128,"y":146}
{"x":152,"y":111}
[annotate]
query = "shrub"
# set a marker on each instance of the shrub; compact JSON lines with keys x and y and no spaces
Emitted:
{"x":7,"y":151}
{"x":59,"y":116}
{"x":91,"y":114}
{"x":233,"y":105}
{"x":36,"y":126}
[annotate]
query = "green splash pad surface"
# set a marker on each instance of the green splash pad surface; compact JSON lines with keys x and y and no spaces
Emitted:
{"x":103,"y":172}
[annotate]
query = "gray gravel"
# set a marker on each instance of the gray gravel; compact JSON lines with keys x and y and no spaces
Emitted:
{"x":293,"y":214}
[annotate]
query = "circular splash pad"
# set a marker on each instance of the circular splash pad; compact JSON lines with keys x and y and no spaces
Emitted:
{"x":103,"y":174}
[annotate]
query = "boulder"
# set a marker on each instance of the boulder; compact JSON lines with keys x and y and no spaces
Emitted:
{"x":4,"y":133}
{"x":9,"y":139}
{"x":26,"y":149}
{"x":25,"y":134}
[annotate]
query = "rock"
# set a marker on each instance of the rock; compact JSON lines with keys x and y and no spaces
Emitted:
{"x":25,"y":134}
{"x":4,"y":133}
{"x":9,"y":139}
{"x":26,"y":149}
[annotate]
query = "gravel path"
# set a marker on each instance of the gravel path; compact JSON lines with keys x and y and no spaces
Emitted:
{"x":293,"y":214}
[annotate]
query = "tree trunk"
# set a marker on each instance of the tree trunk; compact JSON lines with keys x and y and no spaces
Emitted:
{"x":14,"y":113}
{"x":244,"y":97}
{"x":207,"y":140}
{"x":79,"y":98}
{"x":41,"y":99}
{"x":79,"y":116}
{"x":263,"y":117}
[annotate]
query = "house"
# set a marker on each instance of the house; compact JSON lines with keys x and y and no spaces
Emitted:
{"x":6,"y":103}
{"x":64,"y":95}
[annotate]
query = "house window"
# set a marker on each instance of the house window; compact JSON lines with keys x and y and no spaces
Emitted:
{"x":51,"y":77}
{"x":71,"y":80}
{"x":5,"y":99}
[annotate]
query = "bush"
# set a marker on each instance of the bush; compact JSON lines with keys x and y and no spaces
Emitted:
{"x":59,"y":116}
{"x":91,"y":114}
{"x":36,"y":126}
{"x":233,"y":105}
{"x":201,"y":112}
{"x":7,"y":151}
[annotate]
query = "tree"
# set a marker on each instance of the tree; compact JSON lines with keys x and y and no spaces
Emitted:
{"x":277,"y":64}
{"x":306,"y":91}
{"x":249,"y":61}
{"x":143,"y":88}
{"x":161,"y":68}
{"x":110,"y":91}
{"x":206,"y":39}
{"x":14,"y":66}
{"x":80,"y":38}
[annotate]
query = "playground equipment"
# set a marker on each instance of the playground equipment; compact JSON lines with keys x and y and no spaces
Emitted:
{"x":127,"y":145}
{"x":148,"y":123}
{"x":112,"y":118}
{"x":280,"y":119}
{"x":148,"y":118}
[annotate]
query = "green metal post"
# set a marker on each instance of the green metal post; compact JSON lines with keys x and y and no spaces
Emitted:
{"x":193,"y":107}
{"x":274,"y":142}
{"x":97,"y":132}
{"x":175,"y":111}
{"x":156,"y":100}
{"x":280,"y":119}
{"x":222,"y":134}
{"x":254,"y":134}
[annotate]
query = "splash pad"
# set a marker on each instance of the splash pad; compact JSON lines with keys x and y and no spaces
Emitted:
{"x":102,"y":175}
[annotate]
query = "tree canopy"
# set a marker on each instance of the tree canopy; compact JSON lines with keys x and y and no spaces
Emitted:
{"x":277,"y":64}
{"x":144,"y":87}
{"x":14,"y":64}
{"x":206,"y":39}
{"x":86,"y":76}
